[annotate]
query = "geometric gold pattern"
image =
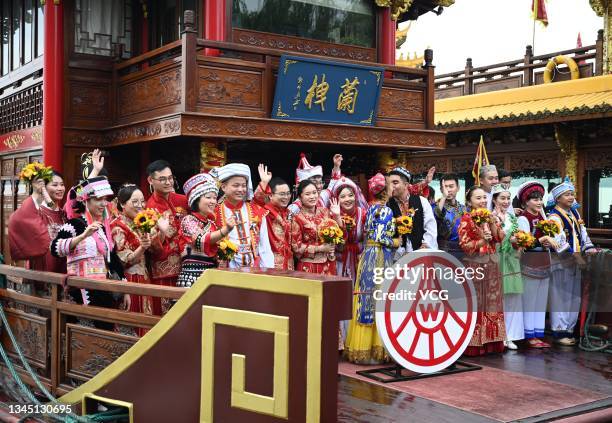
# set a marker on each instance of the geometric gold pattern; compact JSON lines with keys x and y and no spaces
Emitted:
{"x":277,"y":404}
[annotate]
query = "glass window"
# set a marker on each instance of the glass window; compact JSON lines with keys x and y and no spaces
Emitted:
{"x":16,"y":33}
{"x":597,"y":198}
{"x":27,"y":30}
{"x":102,"y":24}
{"x":6,"y":32}
{"x":40,"y":29}
{"x":337,"y":21}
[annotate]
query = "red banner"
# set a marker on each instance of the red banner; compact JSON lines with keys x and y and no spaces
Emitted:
{"x":24,"y":139}
{"x":538,"y":9}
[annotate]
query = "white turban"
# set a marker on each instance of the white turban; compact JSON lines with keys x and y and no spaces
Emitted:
{"x":234,"y":169}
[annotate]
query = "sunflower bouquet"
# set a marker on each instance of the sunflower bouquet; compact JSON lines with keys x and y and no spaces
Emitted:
{"x":349,"y":222}
{"x":524,"y":239}
{"x":480,"y":216}
{"x":331,"y":233}
{"x":548,"y":227}
{"x":146,"y":220}
{"x":36,"y":170}
{"x":227,"y":250}
{"x":404,"y":224}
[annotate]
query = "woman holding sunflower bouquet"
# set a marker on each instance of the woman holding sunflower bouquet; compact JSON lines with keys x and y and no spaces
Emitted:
{"x":37,"y":221}
{"x":479,"y":232}
{"x":315,"y":232}
{"x":363,"y":345}
{"x":203,"y":242}
{"x":133,"y":232}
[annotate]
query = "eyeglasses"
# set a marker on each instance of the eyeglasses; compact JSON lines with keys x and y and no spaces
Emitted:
{"x":165,"y":179}
{"x":283,"y":194}
{"x":137,"y":203}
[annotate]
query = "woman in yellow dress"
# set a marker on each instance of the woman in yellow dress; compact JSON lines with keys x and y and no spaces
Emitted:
{"x":363,"y":345}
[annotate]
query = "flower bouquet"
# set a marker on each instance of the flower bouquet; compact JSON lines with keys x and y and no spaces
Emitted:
{"x":227,"y":250}
{"x":146,"y":220}
{"x":34,"y":171}
{"x":349,"y":222}
{"x":524,"y":239}
{"x":548,"y":227}
{"x":404,"y":224}
{"x":480,"y":216}
{"x":330,"y":233}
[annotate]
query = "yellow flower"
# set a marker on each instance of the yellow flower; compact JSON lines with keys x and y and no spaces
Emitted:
{"x":325,"y":232}
{"x":223,"y":245}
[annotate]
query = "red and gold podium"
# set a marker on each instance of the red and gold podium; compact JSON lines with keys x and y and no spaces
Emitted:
{"x":238,"y":346}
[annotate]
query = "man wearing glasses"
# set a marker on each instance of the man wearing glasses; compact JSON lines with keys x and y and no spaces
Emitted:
{"x":166,"y":258}
{"x":274,"y":195}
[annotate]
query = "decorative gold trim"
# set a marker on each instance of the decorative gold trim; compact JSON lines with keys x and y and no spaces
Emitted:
{"x":125,"y":404}
{"x":266,"y":283}
{"x":279,"y":111}
{"x":288,"y":62}
{"x":368,"y":120}
{"x":377,"y":73}
{"x":278,"y":404}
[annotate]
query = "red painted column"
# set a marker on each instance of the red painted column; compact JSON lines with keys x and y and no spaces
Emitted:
{"x":53,"y":85}
{"x":145,"y":148}
{"x":214,"y":20}
{"x":387,"y":37}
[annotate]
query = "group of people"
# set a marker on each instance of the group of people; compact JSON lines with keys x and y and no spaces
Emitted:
{"x":94,"y":236}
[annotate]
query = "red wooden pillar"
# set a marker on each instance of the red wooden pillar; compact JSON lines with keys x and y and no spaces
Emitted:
{"x":145,"y":147}
{"x":214,"y":20}
{"x":53,"y":84}
{"x":387,"y":38}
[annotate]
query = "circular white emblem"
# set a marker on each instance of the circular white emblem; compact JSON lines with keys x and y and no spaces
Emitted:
{"x":426,"y":310}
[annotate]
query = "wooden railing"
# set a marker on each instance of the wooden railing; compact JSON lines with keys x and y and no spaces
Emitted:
{"x":56,"y":335}
{"x":517,"y":73}
{"x":176,"y":79}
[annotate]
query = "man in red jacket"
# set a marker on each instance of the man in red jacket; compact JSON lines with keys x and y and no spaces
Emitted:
{"x":165,"y":255}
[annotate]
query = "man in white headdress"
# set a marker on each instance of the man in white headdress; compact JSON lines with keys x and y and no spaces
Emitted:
{"x":574,"y":243}
{"x":251,"y":231}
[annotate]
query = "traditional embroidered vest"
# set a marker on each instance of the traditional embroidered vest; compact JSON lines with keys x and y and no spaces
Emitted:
{"x":418,"y":220}
{"x":572,"y":229}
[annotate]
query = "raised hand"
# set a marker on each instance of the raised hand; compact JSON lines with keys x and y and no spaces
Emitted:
{"x":430,"y":175}
{"x":264,"y":175}
{"x":337,"y":160}
{"x":230,"y":222}
{"x":163,"y":224}
{"x":334,"y":207}
{"x":97,"y":161}
{"x":92,"y":229}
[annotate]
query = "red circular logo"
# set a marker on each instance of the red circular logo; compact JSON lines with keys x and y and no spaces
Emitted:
{"x":426,"y":312}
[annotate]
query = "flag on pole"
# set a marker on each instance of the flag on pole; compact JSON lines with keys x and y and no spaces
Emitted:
{"x":480,"y":161}
{"x":538,"y":11}
{"x":579,"y":45}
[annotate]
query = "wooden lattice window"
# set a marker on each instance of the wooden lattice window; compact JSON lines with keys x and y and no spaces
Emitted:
{"x":22,"y":110}
{"x":100,"y":25}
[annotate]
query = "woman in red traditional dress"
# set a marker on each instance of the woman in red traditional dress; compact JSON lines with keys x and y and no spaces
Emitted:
{"x":479,"y":241}
{"x":348,"y":195}
{"x":36,"y":222}
{"x":131,"y":246}
{"x":198,"y":231}
{"x":313,"y":255}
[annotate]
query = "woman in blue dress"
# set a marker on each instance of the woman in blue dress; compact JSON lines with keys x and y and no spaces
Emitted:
{"x":363,"y":345}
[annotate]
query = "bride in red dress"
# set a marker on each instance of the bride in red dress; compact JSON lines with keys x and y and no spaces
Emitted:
{"x":478,"y":241}
{"x":313,"y":255}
